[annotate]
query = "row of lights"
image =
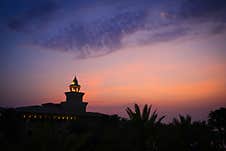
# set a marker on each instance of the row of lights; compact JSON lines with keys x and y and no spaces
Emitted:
{"x":54,"y":117}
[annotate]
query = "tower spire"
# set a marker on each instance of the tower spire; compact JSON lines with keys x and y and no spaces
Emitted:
{"x":74,"y":86}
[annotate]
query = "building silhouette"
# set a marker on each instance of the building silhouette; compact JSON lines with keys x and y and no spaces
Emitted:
{"x":73,"y":108}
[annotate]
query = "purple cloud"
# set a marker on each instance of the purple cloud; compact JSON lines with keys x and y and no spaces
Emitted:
{"x":98,"y":28}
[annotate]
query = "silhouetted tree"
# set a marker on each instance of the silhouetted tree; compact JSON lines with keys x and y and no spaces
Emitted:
{"x":217,"y":122}
{"x":143,"y":131}
{"x":190,"y":135}
{"x":182,"y":129}
{"x":144,"y":127}
{"x":184,"y":121}
{"x":145,"y":116}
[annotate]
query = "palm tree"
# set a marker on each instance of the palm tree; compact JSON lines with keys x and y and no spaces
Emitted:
{"x":182,"y":121}
{"x":144,"y":126}
{"x":185,"y":133}
{"x":145,"y":116}
{"x":189,"y":135}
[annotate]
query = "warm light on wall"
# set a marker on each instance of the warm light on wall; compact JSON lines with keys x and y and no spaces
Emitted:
{"x":49,"y":117}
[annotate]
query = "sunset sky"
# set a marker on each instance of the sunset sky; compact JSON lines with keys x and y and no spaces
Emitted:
{"x":171,"y":54}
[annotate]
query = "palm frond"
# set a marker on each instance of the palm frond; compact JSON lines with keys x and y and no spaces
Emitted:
{"x":130,"y":113}
{"x":137,"y":112}
{"x":153,"y":117}
{"x":145,"y":114}
{"x":160,"y":119}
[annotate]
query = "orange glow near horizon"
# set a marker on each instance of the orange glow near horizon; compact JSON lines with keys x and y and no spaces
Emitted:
{"x":156,"y":77}
{"x":167,"y":75}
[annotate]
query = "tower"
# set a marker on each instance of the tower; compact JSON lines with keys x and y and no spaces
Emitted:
{"x":74,"y":99}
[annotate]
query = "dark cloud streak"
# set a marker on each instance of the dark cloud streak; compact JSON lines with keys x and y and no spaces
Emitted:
{"x":95,"y":28}
{"x":35,"y":16}
{"x":209,"y":9}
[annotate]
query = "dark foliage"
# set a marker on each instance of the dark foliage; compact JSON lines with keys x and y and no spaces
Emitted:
{"x":143,"y":131}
